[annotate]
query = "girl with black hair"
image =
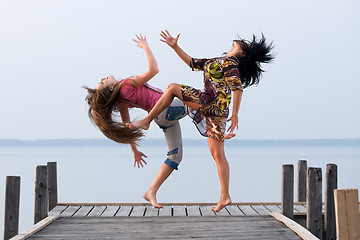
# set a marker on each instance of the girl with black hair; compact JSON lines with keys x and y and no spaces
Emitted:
{"x":209,"y":109}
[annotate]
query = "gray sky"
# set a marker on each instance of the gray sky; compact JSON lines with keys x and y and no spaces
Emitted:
{"x":49,"y":49}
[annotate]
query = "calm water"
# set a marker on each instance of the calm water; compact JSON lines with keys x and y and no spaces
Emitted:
{"x":106,"y":174}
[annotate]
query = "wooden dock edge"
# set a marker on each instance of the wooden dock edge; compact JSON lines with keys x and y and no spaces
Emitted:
{"x":172,"y":204}
{"x":295,"y":227}
{"x":37,"y":227}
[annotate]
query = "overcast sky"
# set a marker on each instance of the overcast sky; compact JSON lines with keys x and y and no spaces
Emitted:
{"x":49,"y":49}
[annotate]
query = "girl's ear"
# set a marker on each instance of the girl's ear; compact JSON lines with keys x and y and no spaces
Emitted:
{"x":111,"y":88}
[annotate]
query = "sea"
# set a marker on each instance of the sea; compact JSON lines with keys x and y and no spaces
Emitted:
{"x":100,"y":171}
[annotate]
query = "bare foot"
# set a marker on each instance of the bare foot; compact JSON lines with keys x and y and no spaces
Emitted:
{"x":151,"y":198}
{"x":229,"y":136}
{"x":139,"y":124}
{"x":221,"y":204}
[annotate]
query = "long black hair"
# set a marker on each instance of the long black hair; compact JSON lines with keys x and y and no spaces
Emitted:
{"x":254,"y":53}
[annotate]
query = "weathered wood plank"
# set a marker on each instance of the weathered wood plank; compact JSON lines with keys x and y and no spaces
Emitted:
{"x":52,"y":184}
{"x":287,"y":191}
{"x":234,"y":210}
{"x":261,"y":209}
{"x":300,"y":208}
{"x":222,"y":212}
{"x":329,"y":212}
{"x":165,"y":211}
{"x":248,"y":210}
{"x":12,"y":205}
{"x":260,"y":227}
{"x":110,"y":211}
{"x":347,"y":214}
{"x":179,"y":211}
{"x":96,"y":211}
{"x":273,"y":208}
{"x":314,"y":202}
{"x":301,"y":181}
{"x":193,"y":210}
{"x":138,"y":211}
{"x":71,"y":210}
{"x":301,"y":231}
{"x":41,"y":194}
{"x":206,"y":211}
{"x":124,"y":211}
{"x":83,"y":211}
{"x":151,"y":211}
{"x":58,"y":209}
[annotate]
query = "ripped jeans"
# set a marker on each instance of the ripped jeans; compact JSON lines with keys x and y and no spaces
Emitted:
{"x":168,"y":122}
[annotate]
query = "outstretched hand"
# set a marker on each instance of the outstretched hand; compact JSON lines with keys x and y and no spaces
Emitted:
{"x":141,"y":41}
{"x":138,"y":159}
{"x":167,"y":38}
{"x":234,"y":124}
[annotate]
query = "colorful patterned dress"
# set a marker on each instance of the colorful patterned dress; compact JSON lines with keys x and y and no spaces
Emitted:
{"x":221,"y":76}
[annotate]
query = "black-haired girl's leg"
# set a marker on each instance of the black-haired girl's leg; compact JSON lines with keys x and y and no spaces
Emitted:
{"x":164,"y":102}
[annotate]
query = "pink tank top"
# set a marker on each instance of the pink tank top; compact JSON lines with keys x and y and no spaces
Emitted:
{"x":144,"y":96}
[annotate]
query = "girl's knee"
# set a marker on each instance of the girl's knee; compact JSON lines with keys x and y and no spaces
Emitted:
{"x":172,"y":86}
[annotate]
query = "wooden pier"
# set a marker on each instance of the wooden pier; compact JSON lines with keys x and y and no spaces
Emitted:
{"x":173,"y":221}
{"x":309,"y":218}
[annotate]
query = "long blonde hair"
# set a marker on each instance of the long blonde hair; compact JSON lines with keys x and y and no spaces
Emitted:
{"x":102,"y":105}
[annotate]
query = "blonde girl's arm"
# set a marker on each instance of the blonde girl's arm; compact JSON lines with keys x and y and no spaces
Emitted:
{"x":172,"y":42}
{"x":153,"y":66}
{"x":138,"y":156}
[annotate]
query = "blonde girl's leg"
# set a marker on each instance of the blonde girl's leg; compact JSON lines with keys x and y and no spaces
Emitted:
{"x":218,"y":153}
{"x":163,"y":173}
{"x":174,"y":141}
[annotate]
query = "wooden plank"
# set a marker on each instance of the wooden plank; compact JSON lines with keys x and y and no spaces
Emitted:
{"x":52,"y":184}
{"x":83,"y":211}
{"x":222,"y":212}
{"x":110,"y":211}
{"x":229,"y":228}
{"x":166,"y":210}
{"x":41,"y":194}
{"x":248,"y":210}
{"x":287,"y":191}
{"x":301,"y":181}
{"x":300,"y":208}
{"x":96,"y":211}
{"x":314,"y":222}
{"x":151,"y":211}
{"x":58,"y":209}
{"x":193,"y":210}
{"x":70,"y":211}
{"x":300,"y":230}
{"x":234,"y":210}
{"x":36,"y":228}
{"x":330,"y":186}
{"x":138,"y":211}
{"x":124,"y":211}
{"x":12,"y":206}
{"x":179,"y":211}
{"x":347,"y":214}
{"x":273,"y":208}
{"x":206,"y":211}
{"x":261,"y":209}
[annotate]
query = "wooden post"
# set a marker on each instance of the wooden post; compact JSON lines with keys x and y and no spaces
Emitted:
{"x":301,"y":181}
{"x":12,"y":203}
{"x":287,"y":191}
{"x":52,"y":184}
{"x":314,"y":202}
{"x":347,"y":214}
{"x":330,"y":186}
{"x":41,"y":194}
